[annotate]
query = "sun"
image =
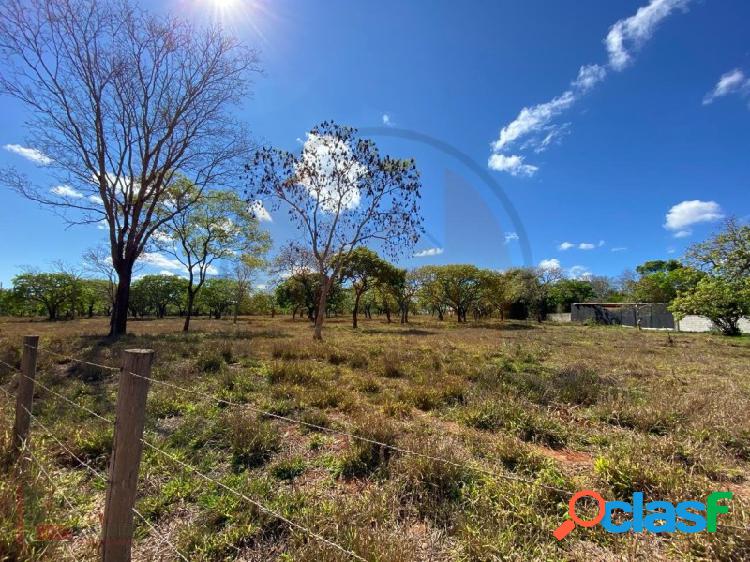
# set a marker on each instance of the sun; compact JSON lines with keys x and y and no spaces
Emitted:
{"x":236,"y":16}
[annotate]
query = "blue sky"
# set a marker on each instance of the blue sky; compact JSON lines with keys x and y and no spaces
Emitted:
{"x":525,"y":157}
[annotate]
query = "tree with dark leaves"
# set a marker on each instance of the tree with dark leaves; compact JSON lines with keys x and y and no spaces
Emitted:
{"x":341,"y":193}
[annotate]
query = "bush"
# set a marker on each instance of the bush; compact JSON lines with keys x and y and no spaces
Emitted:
{"x":431,"y":486}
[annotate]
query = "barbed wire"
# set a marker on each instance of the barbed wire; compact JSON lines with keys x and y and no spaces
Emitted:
{"x":103,"y":478}
{"x":267,"y":414}
{"x":257,"y":504}
{"x":55,"y":488}
{"x":73,"y":359}
{"x":361,"y":438}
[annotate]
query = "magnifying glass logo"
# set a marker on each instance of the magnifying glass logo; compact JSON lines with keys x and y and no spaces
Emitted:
{"x":562,"y":531}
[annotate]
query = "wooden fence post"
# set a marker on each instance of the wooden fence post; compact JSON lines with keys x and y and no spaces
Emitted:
{"x":117,"y":526}
{"x":25,"y":394}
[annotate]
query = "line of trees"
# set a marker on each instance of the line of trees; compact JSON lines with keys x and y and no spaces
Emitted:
{"x":712,"y":281}
{"x":65,"y":296}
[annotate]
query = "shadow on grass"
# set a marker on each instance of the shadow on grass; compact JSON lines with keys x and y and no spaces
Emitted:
{"x":503,"y":327}
{"x":399,"y":332}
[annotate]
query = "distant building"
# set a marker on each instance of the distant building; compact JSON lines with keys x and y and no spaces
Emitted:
{"x":645,"y":315}
{"x":653,"y":316}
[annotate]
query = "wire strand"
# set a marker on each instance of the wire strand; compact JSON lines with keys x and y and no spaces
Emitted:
{"x":101,"y":477}
{"x":55,"y":488}
{"x":257,"y":504}
{"x":73,"y":359}
{"x":364,"y":439}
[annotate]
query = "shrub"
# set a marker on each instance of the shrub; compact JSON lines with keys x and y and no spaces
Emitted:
{"x":313,"y":417}
{"x":526,"y":424}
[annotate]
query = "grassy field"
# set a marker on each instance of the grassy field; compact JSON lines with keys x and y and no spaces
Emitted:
{"x":562,"y":406}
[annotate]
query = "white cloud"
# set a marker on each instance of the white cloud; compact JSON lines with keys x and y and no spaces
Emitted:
{"x":532,"y":120}
{"x":260,"y":212}
{"x":732,"y":82}
{"x":429,"y":252}
{"x":387,"y":120}
{"x":261,"y":286}
{"x":682,"y":216}
{"x":536,"y":123}
{"x":510,"y":237}
{"x":167,"y":272}
{"x":65,"y":190}
{"x":95,"y":199}
{"x":629,"y":34}
{"x":589,"y":76}
{"x":511,"y":164}
{"x":582,"y":246}
{"x":161,"y":261}
{"x":32,"y":154}
{"x":579,"y":272}
{"x":334,"y":182}
{"x":548,"y":264}
{"x":618,"y":249}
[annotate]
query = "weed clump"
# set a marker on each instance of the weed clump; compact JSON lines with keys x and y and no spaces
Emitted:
{"x":365,"y":457}
{"x":253,"y":441}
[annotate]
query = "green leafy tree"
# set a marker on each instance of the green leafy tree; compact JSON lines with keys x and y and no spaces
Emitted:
{"x":158,"y":292}
{"x":568,"y":291}
{"x":724,"y":302}
{"x":658,"y":266}
{"x":51,"y":290}
{"x":726,"y":254}
{"x":364,"y":269}
{"x":461,"y":287}
{"x":430,"y":294}
{"x":723,"y":294}
{"x":218,"y":295}
{"x":217,"y":227}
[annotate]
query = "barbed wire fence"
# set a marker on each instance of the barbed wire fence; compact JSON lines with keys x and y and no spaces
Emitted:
{"x":128,"y":427}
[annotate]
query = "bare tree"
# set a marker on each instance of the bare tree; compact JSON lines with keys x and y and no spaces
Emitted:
{"x":341,"y":193}
{"x":120,"y":101}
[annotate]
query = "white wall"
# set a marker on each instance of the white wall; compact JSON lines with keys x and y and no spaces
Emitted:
{"x":559,"y":317}
{"x":703,"y":324}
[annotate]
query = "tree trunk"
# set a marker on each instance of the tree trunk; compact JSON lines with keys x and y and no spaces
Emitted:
{"x":119,"y":321}
{"x":356,"y":308}
{"x":321,"y":311}
{"x":189,"y":311}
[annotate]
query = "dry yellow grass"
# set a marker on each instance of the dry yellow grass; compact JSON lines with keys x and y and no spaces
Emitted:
{"x":611,"y":409}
